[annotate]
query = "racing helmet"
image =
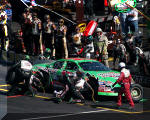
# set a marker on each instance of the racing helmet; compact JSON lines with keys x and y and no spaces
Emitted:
{"x":79,"y":73}
{"x":47,"y":53}
{"x":48,"y":50}
{"x":27,"y":57}
{"x":130,"y":33}
{"x":122,"y":65}
{"x":72,"y":74}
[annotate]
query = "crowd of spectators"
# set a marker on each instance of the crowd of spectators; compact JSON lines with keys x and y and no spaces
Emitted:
{"x":38,"y":34}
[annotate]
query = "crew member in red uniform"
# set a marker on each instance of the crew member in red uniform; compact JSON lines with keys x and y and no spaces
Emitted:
{"x":125,"y":81}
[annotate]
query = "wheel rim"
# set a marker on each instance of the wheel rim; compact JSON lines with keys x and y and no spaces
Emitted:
{"x":136,"y":92}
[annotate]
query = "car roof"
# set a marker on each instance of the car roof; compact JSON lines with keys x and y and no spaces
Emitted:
{"x":79,"y":60}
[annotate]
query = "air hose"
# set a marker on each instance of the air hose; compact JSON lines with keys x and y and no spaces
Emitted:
{"x":92,"y":91}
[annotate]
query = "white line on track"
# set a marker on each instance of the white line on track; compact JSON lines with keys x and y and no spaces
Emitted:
{"x":71,"y":114}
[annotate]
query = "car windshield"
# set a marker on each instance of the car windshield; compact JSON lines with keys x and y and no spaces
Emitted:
{"x":93,"y":66}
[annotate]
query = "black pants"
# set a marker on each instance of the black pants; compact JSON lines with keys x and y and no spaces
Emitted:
{"x":28,"y":42}
{"x":59,"y":50}
{"x":47,"y":40}
{"x":36,"y":44}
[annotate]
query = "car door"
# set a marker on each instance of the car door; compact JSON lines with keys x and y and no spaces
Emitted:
{"x":56,"y":70}
{"x":71,"y":66}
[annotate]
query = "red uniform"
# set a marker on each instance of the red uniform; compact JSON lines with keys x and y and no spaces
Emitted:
{"x":125,"y":81}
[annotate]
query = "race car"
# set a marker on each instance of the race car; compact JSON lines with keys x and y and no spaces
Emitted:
{"x":99,"y":76}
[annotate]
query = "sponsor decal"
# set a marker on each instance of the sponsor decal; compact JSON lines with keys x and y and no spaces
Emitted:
{"x":108,"y":83}
{"x":105,"y":86}
{"x":101,"y":88}
{"x":82,"y":27}
{"x":111,"y":74}
{"x":107,"y":89}
{"x":101,"y":83}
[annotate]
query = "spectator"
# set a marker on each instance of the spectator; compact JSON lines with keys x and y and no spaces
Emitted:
{"x":48,"y":35}
{"x":76,"y":43}
{"x":77,"y":37}
{"x":122,"y":17}
{"x":61,"y":42}
{"x":132,"y":21}
{"x":36,"y":29}
{"x":119,"y":52}
{"x":26,"y":26}
{"x":89,"y":8}
{"x":129,"y":39}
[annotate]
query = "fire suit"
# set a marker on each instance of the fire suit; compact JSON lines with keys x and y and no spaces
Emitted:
{"x":101,"y":44}
{"x":20,"y":76}
{"x":125,"y":81}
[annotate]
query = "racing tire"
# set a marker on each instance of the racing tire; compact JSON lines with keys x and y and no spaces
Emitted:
{"x":136,"y":92}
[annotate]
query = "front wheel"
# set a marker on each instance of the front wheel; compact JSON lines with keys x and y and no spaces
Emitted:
{"x":136,"y":92}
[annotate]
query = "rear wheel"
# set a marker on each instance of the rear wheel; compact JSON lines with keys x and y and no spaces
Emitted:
{"x":136,"y":92}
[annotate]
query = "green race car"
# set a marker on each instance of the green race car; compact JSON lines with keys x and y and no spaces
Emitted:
{"x":100,"y":77}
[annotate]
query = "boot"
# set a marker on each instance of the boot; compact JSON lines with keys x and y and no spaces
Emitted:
{"x":58,"y":100}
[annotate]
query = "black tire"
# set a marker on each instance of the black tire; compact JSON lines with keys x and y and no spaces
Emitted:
{"x":136,"y":92}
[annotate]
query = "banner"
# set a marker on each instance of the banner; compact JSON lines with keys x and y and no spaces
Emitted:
{"x":121,"y":5}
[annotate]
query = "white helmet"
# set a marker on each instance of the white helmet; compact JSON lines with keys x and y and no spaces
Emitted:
{"x":122,"y":65}
{"x":99,"y":30}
